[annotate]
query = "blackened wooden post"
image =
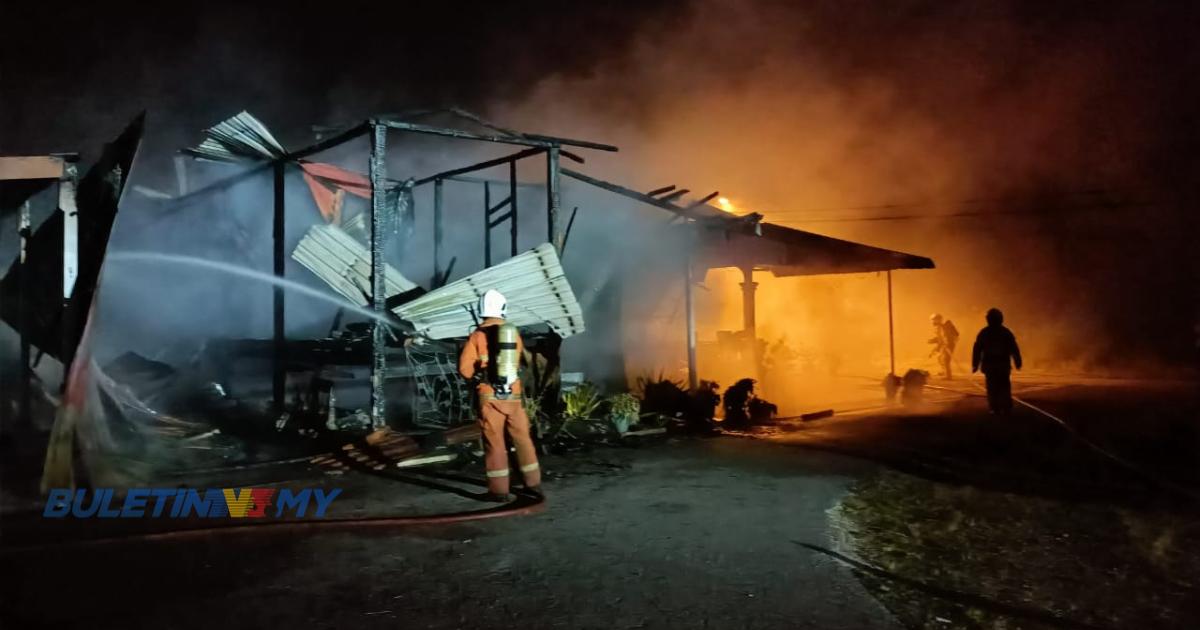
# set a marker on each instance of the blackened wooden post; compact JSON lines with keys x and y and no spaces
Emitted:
{"x":487,"y":224}
{"x":512,"y":200}
{"x":553,"y":197}
{"x":379,"y":210}
{"x":67,"y":187}
{"x":24,"y":282}
{"x":279,"y":372}
{"x":437,"y":232}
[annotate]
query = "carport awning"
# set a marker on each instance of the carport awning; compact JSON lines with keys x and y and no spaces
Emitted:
{"x":789,"y":252}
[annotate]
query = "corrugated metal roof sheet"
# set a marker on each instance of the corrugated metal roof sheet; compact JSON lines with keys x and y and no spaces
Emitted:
{"x":344,"y":264}
{"x":238,"y":139}
{"x":534,"y":283}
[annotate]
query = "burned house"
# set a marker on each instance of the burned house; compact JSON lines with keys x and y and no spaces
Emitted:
{"x":289,"y":291}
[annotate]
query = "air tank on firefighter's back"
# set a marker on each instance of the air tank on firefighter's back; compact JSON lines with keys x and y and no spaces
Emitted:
{"x":508,"y":363}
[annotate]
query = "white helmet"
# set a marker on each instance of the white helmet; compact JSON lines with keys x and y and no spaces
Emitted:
{"x":493,"y":304}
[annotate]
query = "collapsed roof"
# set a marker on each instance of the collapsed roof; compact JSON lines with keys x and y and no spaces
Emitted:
{"x":534,"y":282}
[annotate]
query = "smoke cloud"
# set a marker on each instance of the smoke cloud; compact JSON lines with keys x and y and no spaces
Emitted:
{"x":1043,"y":156}
{"x":1031,"y":152}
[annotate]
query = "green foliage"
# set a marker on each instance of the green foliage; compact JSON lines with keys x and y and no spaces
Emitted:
{"x":624,"y":404}
{"x":533,"y":409}
{"x":581,"y":402}
{"x":623,"y":411}
{"x":663,"y":396}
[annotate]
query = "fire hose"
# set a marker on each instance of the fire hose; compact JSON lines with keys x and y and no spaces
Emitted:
{"x":1121,"y":461}
{"x":523,"y":504}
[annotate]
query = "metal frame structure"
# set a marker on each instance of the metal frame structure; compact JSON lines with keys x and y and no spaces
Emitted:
{"x":377,"y":129}
{"x":61,"y":168}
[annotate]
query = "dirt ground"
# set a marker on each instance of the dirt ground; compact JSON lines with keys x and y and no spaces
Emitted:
{"x":694,"y":534}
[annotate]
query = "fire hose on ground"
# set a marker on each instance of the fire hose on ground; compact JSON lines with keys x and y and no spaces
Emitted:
{"x":522,"y":505}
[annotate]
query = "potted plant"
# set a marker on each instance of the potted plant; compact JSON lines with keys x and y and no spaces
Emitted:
{"x":623,"y":411}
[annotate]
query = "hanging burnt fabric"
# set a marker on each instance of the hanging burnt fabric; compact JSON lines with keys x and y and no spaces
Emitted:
{"x":399,"y":199}
{"x":329,"y":184}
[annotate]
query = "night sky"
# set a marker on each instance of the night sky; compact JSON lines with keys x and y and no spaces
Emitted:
{"x":1040,"y":99}
{"x":71,"y":76}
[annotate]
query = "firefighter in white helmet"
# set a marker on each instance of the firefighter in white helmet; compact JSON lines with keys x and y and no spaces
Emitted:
{"x":492,"y":358}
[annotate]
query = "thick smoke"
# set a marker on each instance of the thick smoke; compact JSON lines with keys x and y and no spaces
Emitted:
{"x":1042,"y":134}
{"x":1042,"y":156}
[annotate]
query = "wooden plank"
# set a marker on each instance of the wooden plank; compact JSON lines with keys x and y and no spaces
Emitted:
{"x":31,"y":167}
{"x":675,"y":195}
{"x":707,"y":198}
{"x":426,"y":460}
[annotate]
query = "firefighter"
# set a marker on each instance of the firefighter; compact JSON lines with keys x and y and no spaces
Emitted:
{"x":945,"y":339}
{"x":996,"y":352}
{"x":492,"y":360}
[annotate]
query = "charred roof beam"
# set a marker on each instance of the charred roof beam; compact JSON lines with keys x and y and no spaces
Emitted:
{"x":749,"y":220}
{"x":532,"y":140}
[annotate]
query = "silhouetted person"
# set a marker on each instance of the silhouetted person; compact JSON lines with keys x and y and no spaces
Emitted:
{"x":996,"y":352}
{"x":945,"y":339}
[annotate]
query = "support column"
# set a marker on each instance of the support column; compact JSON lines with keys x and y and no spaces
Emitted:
{"x":378,"y":174}
{"x":512,"y":200}
{"x":279,"y":371}
{"x":24,"y":229}
{"x":690,"y":309}
{"x":553,"y":198}
{"x":487,"y":224}
{"x":437,"y":233}
{"x":749,"y":324}
{"x":70,"y":254}
{"x":748,"y":314}
{"x":891,"y":330}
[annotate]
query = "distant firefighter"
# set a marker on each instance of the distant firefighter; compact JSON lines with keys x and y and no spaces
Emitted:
{"x":945,"y":339}
{"x":996,"y":352}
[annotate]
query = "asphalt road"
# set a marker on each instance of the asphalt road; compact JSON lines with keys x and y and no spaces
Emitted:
{"x":694,"y":534}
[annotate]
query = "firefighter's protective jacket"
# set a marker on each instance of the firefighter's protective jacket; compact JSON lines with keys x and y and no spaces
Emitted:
{"x":475,"y":358}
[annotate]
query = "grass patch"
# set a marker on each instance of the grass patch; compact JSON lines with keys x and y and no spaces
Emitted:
{"x":1091,"y":564}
